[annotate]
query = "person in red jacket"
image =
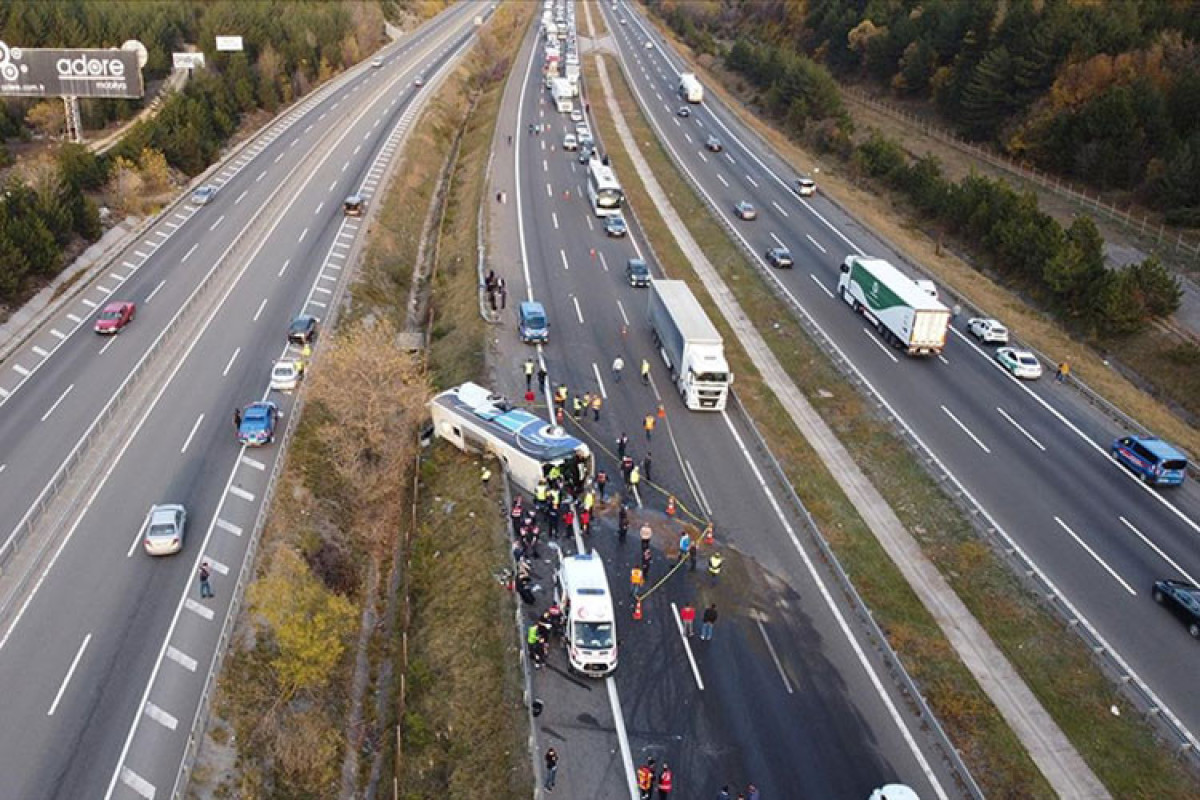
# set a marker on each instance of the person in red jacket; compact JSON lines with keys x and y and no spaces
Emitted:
{"x":666,"y":780}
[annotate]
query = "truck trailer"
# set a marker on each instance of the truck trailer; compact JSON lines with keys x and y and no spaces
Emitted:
{"x":690,"y":88}
{"x":563,"y":93}
{"x":904,"y":313}
{"x":690,"y":345}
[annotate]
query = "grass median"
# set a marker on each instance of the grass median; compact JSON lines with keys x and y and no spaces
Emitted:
{"x":1122,"y":750}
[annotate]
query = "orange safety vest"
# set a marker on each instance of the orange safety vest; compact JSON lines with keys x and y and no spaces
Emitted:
{"x":649,"y":423}
{"x":645,"y":778}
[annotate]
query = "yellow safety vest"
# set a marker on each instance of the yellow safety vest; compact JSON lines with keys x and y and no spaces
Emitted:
{"x":714,"y":564}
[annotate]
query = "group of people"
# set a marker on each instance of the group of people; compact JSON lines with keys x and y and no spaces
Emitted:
{"x":548,"y":626}
{"x":497,"y":290}
{"x":648,"y":780}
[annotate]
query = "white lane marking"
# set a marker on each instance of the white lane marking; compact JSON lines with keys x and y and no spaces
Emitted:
{"x":278,"y":158}
{"x":563,"y":253}
{"x":1156,"y":549}
{"x":136,"y":782}
{"x":689,"y":138}
{"x":241,"y":197}
{"x":779,"y":208}
{"x":303,"y":233}
{"x":1016,"y":425}
{"x":250,"y":462}
{"x":225,"y":373}
{"x":721,"y":178}
{"x":886,"y":350}
{"x":61,"y":397}
{"x":815,"y":243}
{"x":758,"y":620}
{"x":40,"y":351}
{"x":150,"y":296}
{"x":778,"y":241}
{"x":752,"y":181}
{"x":817,"y":281}
{"x":624,"y":318}
{"x":238,"y":491}
{"x":220,"y":219}
{"x":966,"y":430}
{"x":943,"y":359}
{"x":549,"y":191}
{"x":261,"y":306}
{"x":111,"y":341}
{"x":294,"y":143}
{"x":345,"y":166}
{"x":117,"y":277}
{"x":687,"y":647}
{"x":357,"y":147}
{"x":261,"y":175}
{"x":545,"y":165}
{"x":103,"y":289}
{"x":1096,"y":557}
{"x":70,"y":671}
{"x":89,"y":303}
{"x":188,"y":254}
{"x":704,"y":158}
{"x":283,"y":269}
{"x":332,"y":185}
{"x":57,"y":334}
{"x":599,"y":381}
{"x":217,"y":566}
{"x":591,"y":227}
{"x":74,"y":318}
{"x":182,"y":659}
{"x":695,"y":483}
{"x":141,"y":255}
{"x":578,"y":311}
{"x":160,"y":716}
{"x":191,"y":433}
{"x":320,"y":206}
{"x":229,"y":527}
{"x":554,"y":218}
{"x":603,"y":261}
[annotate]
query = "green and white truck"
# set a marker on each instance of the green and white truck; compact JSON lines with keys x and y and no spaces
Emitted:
{"x":906,"y":315}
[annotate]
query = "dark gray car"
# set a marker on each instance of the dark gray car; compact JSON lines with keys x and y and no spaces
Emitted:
{"x":637,"y":273}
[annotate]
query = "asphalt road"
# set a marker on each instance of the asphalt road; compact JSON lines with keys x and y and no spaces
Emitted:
{"x":1033,"y":455}
{"x":790,"y":694}
{"x":103,"y":662}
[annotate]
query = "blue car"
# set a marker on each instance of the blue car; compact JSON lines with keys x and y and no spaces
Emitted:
{"x":1151,"y":459}
{"x":533,"y":326}
{"x":256,"y":425}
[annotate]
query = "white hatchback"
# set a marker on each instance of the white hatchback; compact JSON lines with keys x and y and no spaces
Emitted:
{"x":286,"y":375}
{"x":987,"y":330}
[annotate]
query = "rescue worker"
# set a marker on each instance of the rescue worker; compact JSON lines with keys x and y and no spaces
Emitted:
{"x":560,"y":394}
{"x":539,"y":494}
{"x":576,"y":407}
{"x":666,"y":780}
{"x":626,"y":467}
{"x":485,"y":474}
{"x":634,"y":477}
{"x":623,"y":522}
{"x":597,"y":401}
{"x":648,"y":426}
{"x":531,"y":640}
{"x":602,"y":484}
{"x":529,"y":367}
{"x":622,"y":442}
{"x":589,"y":500}
{"x":645,"y":779}
{"x":645,"y":372}
{"x":714,"y":565}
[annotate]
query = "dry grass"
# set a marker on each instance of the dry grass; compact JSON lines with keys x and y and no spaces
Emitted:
{"x":1122,"y":750}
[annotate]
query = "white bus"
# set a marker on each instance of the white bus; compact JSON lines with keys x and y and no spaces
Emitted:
{"x":603,"y":189}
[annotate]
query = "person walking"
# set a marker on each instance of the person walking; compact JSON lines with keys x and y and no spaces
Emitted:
{"x":647,"y":557}
{"x":666,"y":781}
{"x":622,"y":443}
{"x":645,"y":779}
{"x":752,"y":792}
{"x":648,"y":426}
{"x":597,"y":401}
{"x":576,"y":407}
{"x":237,"y":419}
{"x":707,"y":623}
{"x":551,"y":769}
{"x":205,"y":586}
{"x":622,"y":523}
{"x":685,"y":544}
{"x":715,"y":562}
{"x":646,"y":534}
{"x":502,"y":290}
{"x":1063,"y":372}
{"x":645,"y":372}
{"x":541,"y":376}
{"x":687,"y":618}
{"x":647,"y":461}
{"x":617,"y":366}
{"x":530,"y":366}
{"x":601,"y":484}
{"x":634,"y":478}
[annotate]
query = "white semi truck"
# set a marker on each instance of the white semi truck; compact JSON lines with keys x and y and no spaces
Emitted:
{"x":563,"y":93}
{"x":906,"y":315}
{"x":690,"y":88}
{"x":690,"y":345}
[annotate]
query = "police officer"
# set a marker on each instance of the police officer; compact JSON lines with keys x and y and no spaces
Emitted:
{"x":529,"y":367}
{"x":715,"y":562}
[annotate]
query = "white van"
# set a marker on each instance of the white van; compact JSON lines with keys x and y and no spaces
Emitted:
{"x":581,"y":591}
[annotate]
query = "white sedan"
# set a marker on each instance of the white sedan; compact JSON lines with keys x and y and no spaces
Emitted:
{"x":163,"y":530}
{"x":987,"y":330}
{"x":286,"y":375}
{"x":1021,"y":363}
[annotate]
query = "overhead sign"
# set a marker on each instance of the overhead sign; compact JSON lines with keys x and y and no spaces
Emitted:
{"x":43,"y":72}
{"x":187,"y":60}
{"x":229,"y":43}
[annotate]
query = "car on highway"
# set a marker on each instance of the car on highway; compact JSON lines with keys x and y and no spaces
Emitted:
{"x":585,"y":138}
{"x":164,"y":528}
{"x":806,"y":186}
{"x":576,"y":115}
{"x":257,"y":425}
{"x":114,"y":316}
{"x":376,"y":63}
{"x":649,"y":45}
{"x":1183,"y":599}
{"x":713,"y":144}
{"x":419,"y":82}
{"x":353,"y":205}
{"x":684,"y":111}
{"x":779,"y":257}
{"x":569,"y":142}
{"x":203,"y":195}
{"x":586,"y":152}
{"x":286,"y":374}
{"x":1021,"y":363}
{"x":615,"y":226}
{"x":303,"y":329}
{"x":1151,"y":459}
{"x":987,"y":330}
{"x":532,"y":325}
{"x":637,"y":273}
{"x":894,"y":791}
{"x":745,"y":210}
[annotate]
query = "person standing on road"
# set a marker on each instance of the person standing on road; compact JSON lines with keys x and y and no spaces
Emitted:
{"x":529,"y":368}
{"x":647,"y":461}
{"x":645,"y":372}
{"x":687,"y":617}
{"x":648,"y":426}
{"x":622,"y":522}
{"x":601,"y":484}
{"x":626,"y":467}
{"x":617,"y":367}
{"x":685,"y":544}
{"x":237,"y":419}
{"x":715,"y":562}
{"x":752,"y":792}
{"x":634,"y":477}
{"x":645,"y":779}
{"x":707,"y":623}
{"x":622,"y":443}
{"x":723,"y":794}
{"x":205,"y":586}
{"x":551,"y":769}
{"x":1063,"y":372}
{"x":666,"y":781}
{"x":541,"y":376}
{"x":647,"y":557}
{"x":576,"y":407}
{"x":646,"y":534}
{"x":597,"y":401}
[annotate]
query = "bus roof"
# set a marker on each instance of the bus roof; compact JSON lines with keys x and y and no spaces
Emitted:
{"x":516,"y":427}
{"x":602,"y":173}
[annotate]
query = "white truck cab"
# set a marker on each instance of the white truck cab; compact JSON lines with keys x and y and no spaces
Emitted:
{"x":581,"y":591}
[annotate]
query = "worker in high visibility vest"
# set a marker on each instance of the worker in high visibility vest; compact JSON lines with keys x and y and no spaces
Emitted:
{"x":666,"y":782}
{"x":597,"y":401}
{"x":634,"y":477}
{"x":539,"y":494}
{"x":589,"y":500}
{"x":645,"y":372}
{"x":715,"y":563}
{"x":529,"y":368}
{"x":648,"y":425}
{"x":645,"y":779}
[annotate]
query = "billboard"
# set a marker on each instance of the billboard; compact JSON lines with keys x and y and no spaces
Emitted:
{"x":187,"y":60}
{"x":42,"y":72}
{"x":232,"y":44}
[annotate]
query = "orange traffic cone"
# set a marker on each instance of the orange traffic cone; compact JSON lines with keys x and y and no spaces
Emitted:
{"x":662,"y":412}
{"x":637,"y":609}
{"x":671,"y":506}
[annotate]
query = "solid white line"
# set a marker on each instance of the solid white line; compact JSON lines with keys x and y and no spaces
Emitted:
{"x":225,"y":373}
{"x":887,"y":352}
{"x":1097,"y":558}
{"x":817,"y":281}
{"x":258,"y":313}
{"x":1027,"y":434}
{"x":192,"y":433}
{"x":815,"y":243}
{"x":229,"y":527}
{"x":70,"y":671}
{"x":160,"y":716}
{"x":599,"y":381}
{"x":614,"y":702}
{"x":758,"y":620}
{"x":61,"y":397}
{"x":188,"y":254}
{"x":687,"y":647}
{"x":966,"y":430}
{"x":1156,"y":549}
{"x":578,"y":311}
{"x":182,"y":659}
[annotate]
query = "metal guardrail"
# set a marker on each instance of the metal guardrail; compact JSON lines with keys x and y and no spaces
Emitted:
{"x":1140,"y":695}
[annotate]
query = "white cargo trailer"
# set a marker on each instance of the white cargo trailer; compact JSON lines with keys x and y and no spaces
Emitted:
{"x":907,"y":316}
{"x":690,"y":88}
{"x":690,"y":345}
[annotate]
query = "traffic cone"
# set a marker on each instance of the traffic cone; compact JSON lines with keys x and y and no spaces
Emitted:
{"x":637,"y":609}
{"x":708,"y":535}
{"x":671,"y":506}
{"x":662,"y":411}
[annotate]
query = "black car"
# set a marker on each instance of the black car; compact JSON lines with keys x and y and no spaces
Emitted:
{"x":637,"y":273}
{"x":615,"y":226}
{"x":779,"y":257}
{"x":303,"y":330}
{"x":1183,"y":599}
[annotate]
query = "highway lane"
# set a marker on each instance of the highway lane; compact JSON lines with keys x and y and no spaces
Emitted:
{"x":835,"y":737}
{"x":80,"y":706}
{"x":952,"y":404}
{"x":49,"y":401}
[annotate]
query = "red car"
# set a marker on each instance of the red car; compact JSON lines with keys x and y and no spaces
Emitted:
{"x":115,"y":316}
